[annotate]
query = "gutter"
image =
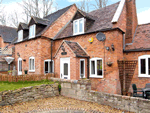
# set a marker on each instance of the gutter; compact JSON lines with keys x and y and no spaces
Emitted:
{"x":136,"y":50}
{"x":102,"y":30}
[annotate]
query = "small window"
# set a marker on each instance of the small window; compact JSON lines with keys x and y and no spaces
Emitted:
{"x":0,"y":50}
{"x":65,"y":68}
{"x":78,"y":26}
{"x":20,"y":35}
{"x":144,"y":66}
{"x":31,"y":64}
{"x":48,"y":64}
{"x":82,"y":68}
{"x":32,"y":31}
{"x":96,"y":67}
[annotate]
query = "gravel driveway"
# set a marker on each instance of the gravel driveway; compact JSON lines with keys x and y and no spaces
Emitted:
{"x":59,"y":104}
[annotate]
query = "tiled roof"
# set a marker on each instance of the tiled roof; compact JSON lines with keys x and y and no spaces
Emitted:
{"x":102,"y":17}
{"x":40,"y":21}
{"x":8,"y":33}
{"x":76,"y":48}
{"x":48,"y":20}
{"x":24,"y":26}
{"x":141,"y":39}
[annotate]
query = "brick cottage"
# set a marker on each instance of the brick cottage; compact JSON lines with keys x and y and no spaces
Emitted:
{"x":106,"y":45}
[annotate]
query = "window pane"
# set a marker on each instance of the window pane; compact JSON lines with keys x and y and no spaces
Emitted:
{"x":143,"y":66}
{"x":32,"y":31}
{"x":76,"y":27}
{"x":46,"y":67}
{"x":20,"y":65}
{"x":149,"y":66}
{"x":81,"y":26}
{"x":82,"y":67}
{"x":92,"y":67}
{"x":32,"y":64}
{"x":99,"y":67}
{"x":51,"y":64}
{"x":65,"y":69}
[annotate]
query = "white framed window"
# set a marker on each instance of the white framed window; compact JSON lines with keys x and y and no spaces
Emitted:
{"x":144,"y":66}
{"x":96,"y":67}
{"x":19,"y":66}
{"x":47,"y":66}
{"x":31,"y":64}
{"x":32,"y":31}
{"x":82,"y":68}
{"x":20,"y":35}
{"x":78,"y":26}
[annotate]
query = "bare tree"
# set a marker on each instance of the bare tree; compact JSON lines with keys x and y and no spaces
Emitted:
{"x":86,"y":5}
{"x":14,"y":19}
{"x":38,"y":8}
{"x":3,"y":19}
{"x":100,"y":4}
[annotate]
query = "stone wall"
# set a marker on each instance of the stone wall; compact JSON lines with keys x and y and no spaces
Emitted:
{"x":28,"y":93}
{"x":81,"y":90}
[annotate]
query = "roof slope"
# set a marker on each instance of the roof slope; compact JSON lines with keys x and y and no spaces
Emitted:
{"x":102,"y":17}
{"x":76,"y":48}
{"x":141,"y":39}
{"x":8,"y":33}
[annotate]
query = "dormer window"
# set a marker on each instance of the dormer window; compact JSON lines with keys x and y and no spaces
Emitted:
{"x":78,"y":26}
{"x":32,"y":31}
{"x":20,"y":35}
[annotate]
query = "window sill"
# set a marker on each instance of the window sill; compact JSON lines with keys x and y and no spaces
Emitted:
{"x":78,"y":33}
{"x":148,"y":76}
{"x":31,"y":70}
{"x":96,"y":76}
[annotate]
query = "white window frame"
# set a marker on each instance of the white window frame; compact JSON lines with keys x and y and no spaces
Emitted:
{"x":78,"y":26}
{"x":139,"y":64}
{"x":19,"y":72}
{"x":84,"y":67}
{"x":48,"y":60}
{"x":30,"y":30}
{"x":33,"y":58}
{"x":95,"y":75}
{"x":20,"y":35}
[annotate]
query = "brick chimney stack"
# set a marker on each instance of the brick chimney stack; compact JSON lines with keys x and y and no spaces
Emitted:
{"x":132,"y":21}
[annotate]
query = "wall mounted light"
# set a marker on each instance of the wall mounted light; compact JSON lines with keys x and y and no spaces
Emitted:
{"x":112,"y":47}
{"x":107,"y":48}
{"x":62,"y":48}
{"x":18,"y":54}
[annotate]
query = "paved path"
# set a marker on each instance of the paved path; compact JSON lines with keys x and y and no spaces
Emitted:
{"x":58,"y":104}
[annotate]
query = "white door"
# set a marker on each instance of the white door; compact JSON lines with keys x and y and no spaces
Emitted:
{"x":65,"y":68}
{"x":19,"y":66}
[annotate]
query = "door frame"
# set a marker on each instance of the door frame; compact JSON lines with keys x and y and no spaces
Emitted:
{"x":66,"y":58}
{"x":19,"y":72}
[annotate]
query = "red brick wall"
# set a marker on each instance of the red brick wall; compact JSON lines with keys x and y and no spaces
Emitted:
{"x":60,"y":22}
{"x":38,"y":48}
{"x":131,"y":20}
{"x":110,"y":83}
{"x":2,"y":44}
{"x":122,"y":20}
{"x":139,"y":81}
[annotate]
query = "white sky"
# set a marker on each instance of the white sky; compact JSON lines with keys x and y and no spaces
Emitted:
{"x":143,"y":16}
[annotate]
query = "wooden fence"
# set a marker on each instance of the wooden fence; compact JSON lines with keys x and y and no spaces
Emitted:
{"x":10,"y":78}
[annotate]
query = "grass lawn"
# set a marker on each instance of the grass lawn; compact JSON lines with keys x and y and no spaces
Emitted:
{"x":5,"y":85}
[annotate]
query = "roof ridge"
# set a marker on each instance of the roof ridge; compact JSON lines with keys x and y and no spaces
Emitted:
{"x":40,"y":18}
{"x":103,"y":7}
{"x":144,"y":24}
{"x":58,"y":10}
{"x":8,"y":26}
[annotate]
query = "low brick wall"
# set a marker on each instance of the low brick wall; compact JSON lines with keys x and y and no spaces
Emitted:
{"x":28,"y":93}
{"x":82,"y":90}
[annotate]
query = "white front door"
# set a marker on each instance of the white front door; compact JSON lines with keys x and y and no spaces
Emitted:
{"x":19,"y":66}
{"x":65,"y":68}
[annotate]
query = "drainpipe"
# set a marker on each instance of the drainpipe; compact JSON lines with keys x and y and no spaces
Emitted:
{"x":51,"y":55}
{"x":88,"y":68}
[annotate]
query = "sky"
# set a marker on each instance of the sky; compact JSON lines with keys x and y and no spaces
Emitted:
{"x":143,"y":7}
